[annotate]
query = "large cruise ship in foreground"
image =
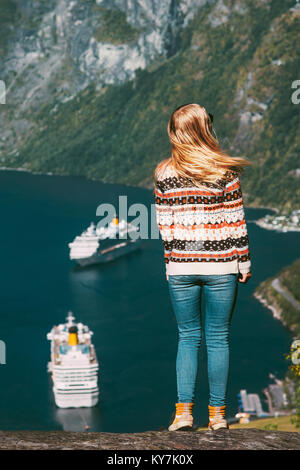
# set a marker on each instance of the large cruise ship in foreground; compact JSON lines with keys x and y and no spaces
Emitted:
{"x":73,"y":366}
{"x":104,"y":244}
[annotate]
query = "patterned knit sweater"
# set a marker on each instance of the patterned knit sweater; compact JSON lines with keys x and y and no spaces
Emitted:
{"x":202,"y":232}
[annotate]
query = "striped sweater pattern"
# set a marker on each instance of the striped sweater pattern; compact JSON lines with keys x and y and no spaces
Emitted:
{"x":202,"y":232}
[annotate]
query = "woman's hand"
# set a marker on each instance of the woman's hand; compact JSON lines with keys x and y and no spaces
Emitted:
{"x":244,"y":277}
{"x":167,"y":276}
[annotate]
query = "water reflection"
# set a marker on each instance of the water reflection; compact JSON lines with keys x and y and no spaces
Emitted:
{"x":79,"y":419}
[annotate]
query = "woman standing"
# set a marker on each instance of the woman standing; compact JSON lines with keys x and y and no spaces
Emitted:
{"x":200,"y":215}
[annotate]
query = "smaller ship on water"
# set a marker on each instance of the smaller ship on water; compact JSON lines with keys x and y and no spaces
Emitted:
{"x":104,"y":244}
{"x":73,"y":365}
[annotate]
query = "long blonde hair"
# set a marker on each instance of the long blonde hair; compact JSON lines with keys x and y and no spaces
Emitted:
{"x":196,"y":153}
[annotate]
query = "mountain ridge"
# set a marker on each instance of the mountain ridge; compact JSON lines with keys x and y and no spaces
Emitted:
{"x":237,"y":58}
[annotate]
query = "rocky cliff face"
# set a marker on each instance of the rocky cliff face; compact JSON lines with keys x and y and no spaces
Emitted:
{"x":236,"y":439}
{"x":57,"y":48}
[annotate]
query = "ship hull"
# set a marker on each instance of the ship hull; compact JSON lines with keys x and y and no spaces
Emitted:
{"x":110,"y":255}
{"x":75,"y":387}
{"x":73,"y":366}
{"x":72,"y":399}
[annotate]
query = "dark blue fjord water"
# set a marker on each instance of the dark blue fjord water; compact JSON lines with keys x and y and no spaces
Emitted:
{"x":125,"y":303}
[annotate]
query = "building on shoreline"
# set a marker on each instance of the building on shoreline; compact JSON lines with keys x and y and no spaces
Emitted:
{"x":250,"y":403}
{"x":281,"y":223}
{"x":279,"y":396}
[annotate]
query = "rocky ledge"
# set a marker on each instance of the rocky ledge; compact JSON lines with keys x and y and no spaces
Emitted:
{"x":234,"y":439}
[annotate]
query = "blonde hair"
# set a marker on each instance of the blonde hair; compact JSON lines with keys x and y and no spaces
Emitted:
{"x":196,"y":153}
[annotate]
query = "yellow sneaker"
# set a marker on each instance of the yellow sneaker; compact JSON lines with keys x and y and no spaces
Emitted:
{"x":217,"y":418}
{"x":183,"y":420}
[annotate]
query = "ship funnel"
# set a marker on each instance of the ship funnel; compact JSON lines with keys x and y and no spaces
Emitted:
{"x":73,"y":338}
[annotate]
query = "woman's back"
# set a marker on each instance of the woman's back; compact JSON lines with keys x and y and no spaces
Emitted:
{"x":203,"y":229}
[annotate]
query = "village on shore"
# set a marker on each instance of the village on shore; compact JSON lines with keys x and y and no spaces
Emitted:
{"x":281,"y":223}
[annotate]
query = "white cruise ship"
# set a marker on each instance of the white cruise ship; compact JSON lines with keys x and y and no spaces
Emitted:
{"x":73,"y":366}
{"x":104,"y":244}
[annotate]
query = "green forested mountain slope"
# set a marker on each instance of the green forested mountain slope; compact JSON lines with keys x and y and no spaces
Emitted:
{"x":287,"y":305}
{"x":240,"y":67}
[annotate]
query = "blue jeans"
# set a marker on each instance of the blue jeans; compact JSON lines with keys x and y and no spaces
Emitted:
{"x":220,"y":294}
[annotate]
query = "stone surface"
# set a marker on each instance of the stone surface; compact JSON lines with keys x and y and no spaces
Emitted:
{"x":235,"y":439}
